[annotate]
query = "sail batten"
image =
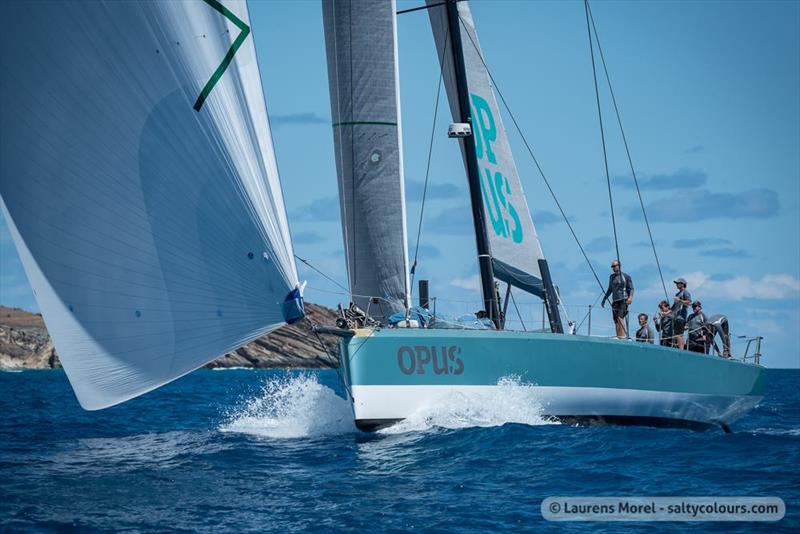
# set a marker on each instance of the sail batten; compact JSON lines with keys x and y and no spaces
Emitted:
{"x":152,"y":231}
{"x":360,"y":38}
{"x":515,"y":246}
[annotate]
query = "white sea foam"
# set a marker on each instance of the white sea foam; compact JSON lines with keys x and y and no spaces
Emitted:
{"x":292,"y":407}
{"x":777,"y":431}
{"x":512,"y":401}
{"x":233,"y":368}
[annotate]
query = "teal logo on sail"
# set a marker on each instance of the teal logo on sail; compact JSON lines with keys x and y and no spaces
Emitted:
{"x":494,"y":184}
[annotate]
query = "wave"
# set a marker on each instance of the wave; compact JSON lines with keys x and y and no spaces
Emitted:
{"x":512,"y":401}
{"x":292,"y":407}
{"x":158,"y":450}
{"x":233,"y":368}
{"x":776,"y":431}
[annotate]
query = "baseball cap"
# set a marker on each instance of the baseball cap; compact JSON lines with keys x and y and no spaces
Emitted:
{"x":679,"y":281}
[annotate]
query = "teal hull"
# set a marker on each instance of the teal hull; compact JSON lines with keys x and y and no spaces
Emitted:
{"x":391,"y":372}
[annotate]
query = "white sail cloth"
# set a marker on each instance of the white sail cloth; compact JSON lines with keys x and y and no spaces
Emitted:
{"x":361,"y":43}
{"x":512,"y":236}
{"x":154,"y":235}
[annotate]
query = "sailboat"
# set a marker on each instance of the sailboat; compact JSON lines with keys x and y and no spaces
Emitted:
{"x":140,"y":185}
{"x":393,"y":373}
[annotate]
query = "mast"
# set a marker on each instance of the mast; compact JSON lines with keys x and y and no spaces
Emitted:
{"x":473,"y":173}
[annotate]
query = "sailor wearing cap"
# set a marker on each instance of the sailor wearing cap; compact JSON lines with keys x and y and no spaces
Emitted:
{"x":697,"y":327}
{"x":680,"y":307}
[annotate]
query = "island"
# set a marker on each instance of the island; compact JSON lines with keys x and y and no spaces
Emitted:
{"x":25,"y":344}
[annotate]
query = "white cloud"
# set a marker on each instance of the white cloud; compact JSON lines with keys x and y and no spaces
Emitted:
{"x":467,"y":282}
{"x":768,"y":287}
{"x":765,"y":327}
{"x":703,"y":286}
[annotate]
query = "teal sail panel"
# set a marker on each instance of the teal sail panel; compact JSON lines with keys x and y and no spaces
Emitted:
{"x":514,"y":243}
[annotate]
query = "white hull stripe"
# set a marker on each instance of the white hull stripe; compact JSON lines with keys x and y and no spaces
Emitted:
{"x":401,"y":402}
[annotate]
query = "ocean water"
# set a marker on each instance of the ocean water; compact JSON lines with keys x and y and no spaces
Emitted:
{"x":271,"y":450}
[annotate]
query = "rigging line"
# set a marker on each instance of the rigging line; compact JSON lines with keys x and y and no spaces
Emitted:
{"x":590,"y":311}
{"x":340,"y":178}
{"x":535,"y":161}
{"x":627,"y":151}
{"x":602,"y":130}
{"x":420,"y":8}
{"x":353,"y":189}
{"x":430,"y":153}
{"x":513,"y":301}
{"x":323,"y":274}
{"x":331,"y":358}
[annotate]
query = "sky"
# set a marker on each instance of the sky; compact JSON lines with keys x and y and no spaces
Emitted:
{"x":709,"y":94}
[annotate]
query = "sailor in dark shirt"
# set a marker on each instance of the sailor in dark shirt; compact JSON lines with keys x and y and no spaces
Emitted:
{"x":620,"y":289}
{"x":697,"y":327}
{"x":680,"y":307}
{"x":645,"y":333}
{"x":664,"y":324}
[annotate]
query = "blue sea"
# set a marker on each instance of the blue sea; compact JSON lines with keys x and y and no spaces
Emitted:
{"x":272,"y":450}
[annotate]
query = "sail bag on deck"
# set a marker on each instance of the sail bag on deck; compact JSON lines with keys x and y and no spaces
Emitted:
{"x":361,"y":43}
{"x":140,"y":186}
{"x":512,"y":236}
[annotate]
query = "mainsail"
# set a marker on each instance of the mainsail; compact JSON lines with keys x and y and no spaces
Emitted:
{"x":139,"y":182}
{"x":361,"y":43}
{"x":514,"y":244}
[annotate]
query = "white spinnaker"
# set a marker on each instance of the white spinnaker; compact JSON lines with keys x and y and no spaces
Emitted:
{"x":514,"y":243}
{"x":154,"y":236}
{"x":361,"y":44}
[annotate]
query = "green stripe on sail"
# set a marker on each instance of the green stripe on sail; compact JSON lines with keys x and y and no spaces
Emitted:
{"x":228,"y":57}
{"x":352,"y":123}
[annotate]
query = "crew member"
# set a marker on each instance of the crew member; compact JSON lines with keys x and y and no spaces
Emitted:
{"x":697,"y":328}
{"x":645,"y":333}
{"x":620,"y":289}
{"x":664,"y":321}
{"x":680,"y":308}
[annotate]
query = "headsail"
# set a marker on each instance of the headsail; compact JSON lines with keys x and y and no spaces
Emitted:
{"x":514,"y":243}
{"x":139,"y":182}
{"x":361,"y":42}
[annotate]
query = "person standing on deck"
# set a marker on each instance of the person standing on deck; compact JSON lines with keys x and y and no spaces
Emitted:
{"x":664,"y":321}
{"x":645,"y":333}
{"x":680,"y":307}
{"x":697,"y":328}
{"x":620,"y":289}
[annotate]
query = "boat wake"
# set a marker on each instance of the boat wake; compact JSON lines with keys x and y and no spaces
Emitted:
{"x":292,"y":407}
{"x":511,"y":402}
{"x":793,"y":432}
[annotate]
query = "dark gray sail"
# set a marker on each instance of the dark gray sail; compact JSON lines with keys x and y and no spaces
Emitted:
{"x":514,"y":244}
{"x":361,"y":44}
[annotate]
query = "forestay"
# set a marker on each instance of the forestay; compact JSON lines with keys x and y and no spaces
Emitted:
{"x":361,"y":43}
{"x":140,"y":186}
{"x":512,"y":236}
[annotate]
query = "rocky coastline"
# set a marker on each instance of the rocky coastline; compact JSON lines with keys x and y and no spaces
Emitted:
{"x":25,"y":344}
